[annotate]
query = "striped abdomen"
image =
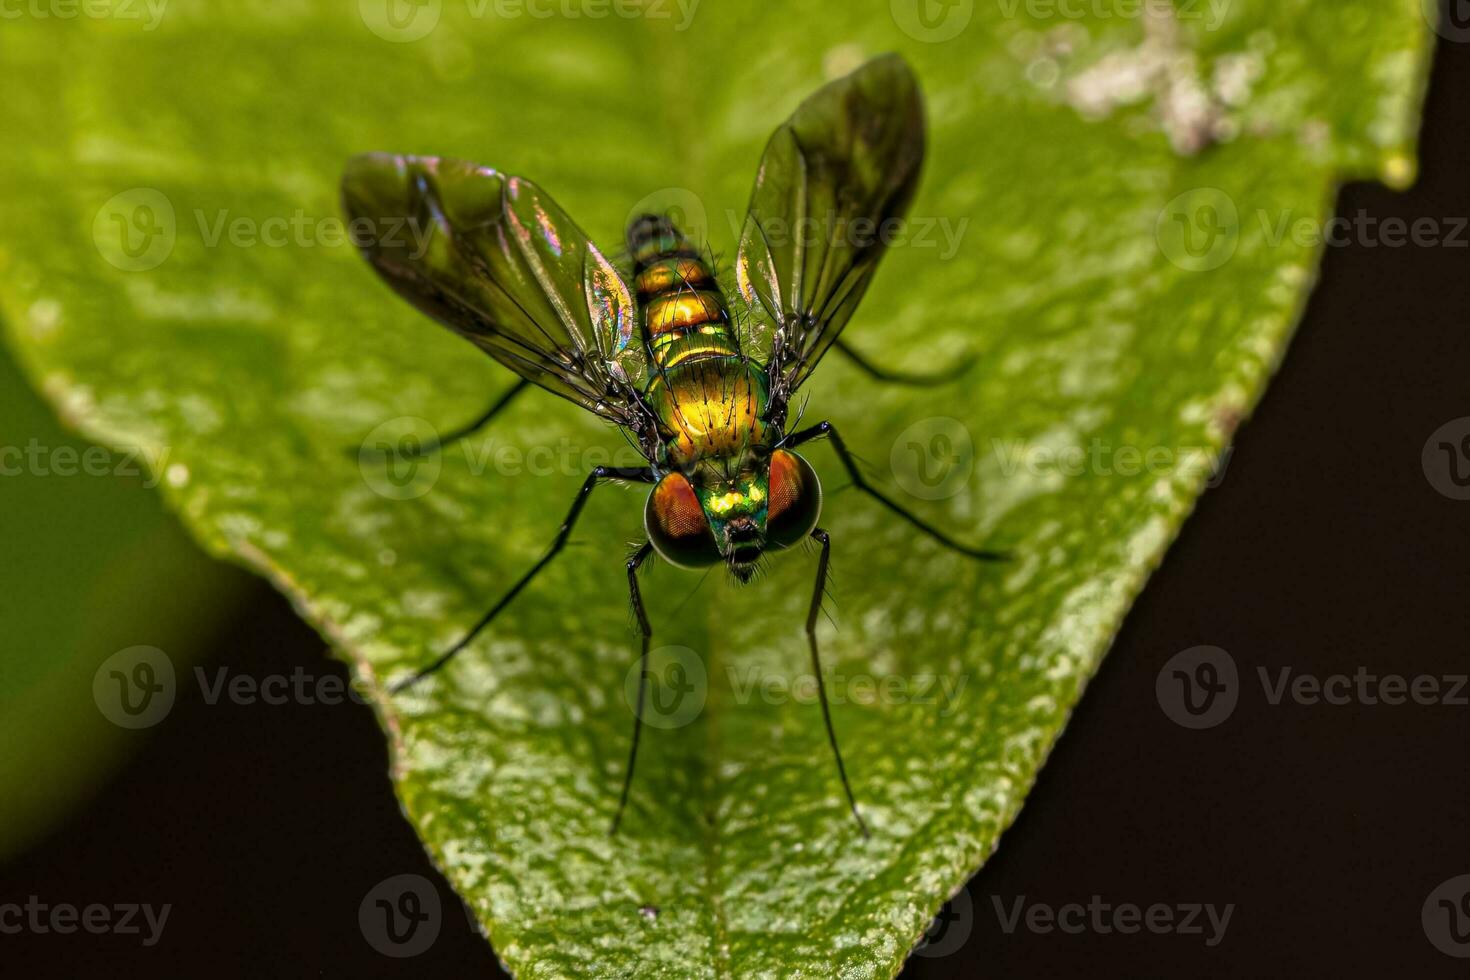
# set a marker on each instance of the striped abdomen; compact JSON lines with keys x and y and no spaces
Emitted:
{"x":709,"y":399}
{"x":680,"y":307}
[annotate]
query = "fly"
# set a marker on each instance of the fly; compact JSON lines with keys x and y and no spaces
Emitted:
{"x":658,"y":352}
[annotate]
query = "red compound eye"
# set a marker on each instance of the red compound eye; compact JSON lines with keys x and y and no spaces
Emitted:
{"x":796,"y":499}
{"x":676,"y":524}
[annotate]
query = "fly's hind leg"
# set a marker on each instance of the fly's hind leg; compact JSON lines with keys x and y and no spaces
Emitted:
{"x":891,"y":376}
{"x":829,"y":431}
{"x":432,"y":446}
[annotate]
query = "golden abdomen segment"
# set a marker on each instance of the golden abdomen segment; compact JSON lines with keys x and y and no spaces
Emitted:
{"x":680,"y":307}
{"x":673,"y":273}
{"x":712,"y":407}
{"x":683,"y":324}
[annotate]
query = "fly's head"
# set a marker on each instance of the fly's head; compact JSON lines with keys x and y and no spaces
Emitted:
{"x":770,"y":501}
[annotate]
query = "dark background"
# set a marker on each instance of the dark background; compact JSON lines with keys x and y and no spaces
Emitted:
{"x":1325,"y":548}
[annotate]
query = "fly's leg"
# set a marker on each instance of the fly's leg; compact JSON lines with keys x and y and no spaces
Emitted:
{"x":454,"y":435}
{"x":891,"y":376}
{"x":811,"y":636}
{"x":634,"y":563}
{"x":828,"y":430}
{"x":640,"y":474}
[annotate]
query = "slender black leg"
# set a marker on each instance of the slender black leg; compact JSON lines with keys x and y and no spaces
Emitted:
{"x":811,"y":636}
{"x":596,"y":476}
{"x":633,"y":564}
{"x":830,"y":431}
{"x":942,"y":376}
{"x":454,"y":435}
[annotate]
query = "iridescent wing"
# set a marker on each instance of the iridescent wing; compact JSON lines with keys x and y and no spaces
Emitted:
{"x":833,"y":179}
{"x":493,"y":258}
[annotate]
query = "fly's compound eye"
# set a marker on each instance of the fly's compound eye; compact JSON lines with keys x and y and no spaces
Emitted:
{"x":676,"y":524}
{"x":796,"y":500}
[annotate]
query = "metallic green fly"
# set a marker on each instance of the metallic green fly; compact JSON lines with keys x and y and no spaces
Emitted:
{"x":658,"y":352}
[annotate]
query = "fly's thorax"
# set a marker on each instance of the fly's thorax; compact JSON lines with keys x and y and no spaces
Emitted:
{"x":709,"y":408}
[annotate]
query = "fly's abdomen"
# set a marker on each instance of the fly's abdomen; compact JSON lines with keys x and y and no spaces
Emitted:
{"x":680,"y":306}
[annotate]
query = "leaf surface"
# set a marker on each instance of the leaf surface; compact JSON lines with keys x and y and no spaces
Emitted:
{"x":1106,"y":221}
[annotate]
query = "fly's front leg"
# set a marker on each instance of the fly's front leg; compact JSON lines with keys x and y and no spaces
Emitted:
{"x":640,"y":474}
{"x":634,"y":563}
{"x":828,"y":430}
{"x":821,"y":536}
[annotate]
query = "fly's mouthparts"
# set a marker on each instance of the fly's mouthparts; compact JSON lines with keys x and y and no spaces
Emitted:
{"x":743,"y":532}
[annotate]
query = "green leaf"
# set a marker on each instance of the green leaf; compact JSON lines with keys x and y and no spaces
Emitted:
{"x":1121,"y":197}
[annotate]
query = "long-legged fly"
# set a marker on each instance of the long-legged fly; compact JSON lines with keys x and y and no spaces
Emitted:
{"x":657,"y":352}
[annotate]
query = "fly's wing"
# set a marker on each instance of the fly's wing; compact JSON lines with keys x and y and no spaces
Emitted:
{"x":493,"y":258}
{"x":833,"y":178}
